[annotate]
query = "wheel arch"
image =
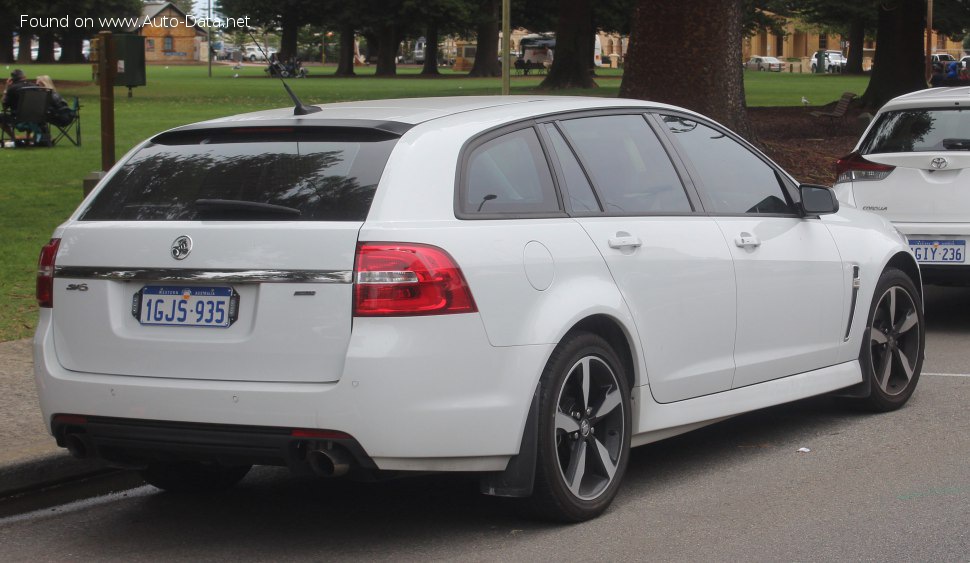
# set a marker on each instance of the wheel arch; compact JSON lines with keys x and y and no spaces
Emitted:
{"x":905,"y":262}
{"x":611,"y":330}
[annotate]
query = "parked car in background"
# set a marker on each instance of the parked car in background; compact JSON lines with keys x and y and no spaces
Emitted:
{"x":764,"y":63}
{"x":912,"y":166}
{"x":476,"y":284}
{"x":252,"y":53}
{"x":942,"y":58}
{"x":964,"y":61}
{"x":834,"y":61}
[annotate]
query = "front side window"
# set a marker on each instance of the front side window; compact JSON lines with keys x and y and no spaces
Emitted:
{"x":734,"y":179}
{"x":630,"y":169}
{"x":919,"y":130}
{"x":508,"y":174}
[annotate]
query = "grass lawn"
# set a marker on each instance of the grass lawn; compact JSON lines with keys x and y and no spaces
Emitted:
{"x":40,"y":188}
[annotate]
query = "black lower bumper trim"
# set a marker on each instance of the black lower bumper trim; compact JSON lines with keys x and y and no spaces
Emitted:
{"x":132,"y":442}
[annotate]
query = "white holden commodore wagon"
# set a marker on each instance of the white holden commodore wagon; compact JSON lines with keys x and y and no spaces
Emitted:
{"x":518,"y":287}
{"x":912,"y":166}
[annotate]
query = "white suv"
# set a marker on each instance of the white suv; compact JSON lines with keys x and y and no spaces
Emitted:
{"x":912,"y":166}
{"x":521,"y":287}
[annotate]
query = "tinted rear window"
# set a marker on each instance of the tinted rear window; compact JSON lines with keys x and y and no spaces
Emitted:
{"x":917,"y":130}
{"x":248,"y":174}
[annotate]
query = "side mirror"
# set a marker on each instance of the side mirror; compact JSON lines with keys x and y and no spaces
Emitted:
{"x":818,"y":200}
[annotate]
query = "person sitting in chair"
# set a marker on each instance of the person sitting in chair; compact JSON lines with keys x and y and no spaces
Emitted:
{"x":59,"y":112}
{"x":11,"y":99}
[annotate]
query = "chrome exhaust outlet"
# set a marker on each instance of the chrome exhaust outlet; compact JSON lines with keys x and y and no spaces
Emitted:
{"x":78,"y":446}
{"x":329,"y":463}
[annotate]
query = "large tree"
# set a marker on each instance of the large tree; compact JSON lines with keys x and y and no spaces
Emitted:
{"x":700,"y":30}
{"x":574,"y":52}
{"x":898,"y":65}
{"x":489,"y":20}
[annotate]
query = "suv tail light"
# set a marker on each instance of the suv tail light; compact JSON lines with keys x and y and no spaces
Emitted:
{"x":853,"y":167}
{"x":408,"y":279}
{"x":45,"y":273}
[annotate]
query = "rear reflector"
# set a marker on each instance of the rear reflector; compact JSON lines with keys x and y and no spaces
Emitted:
{"x":407,"y":279}
{"x":853,"y":167}
{"x":69,"y":419}
{"x":45,"y":273}
{"x":319,"y":434}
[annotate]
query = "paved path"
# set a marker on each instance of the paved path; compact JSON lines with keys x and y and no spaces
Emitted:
{"x":28,"y":454}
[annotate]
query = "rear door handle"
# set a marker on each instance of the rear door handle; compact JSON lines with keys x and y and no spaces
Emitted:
{"x":625,"y":242}
{"x":747,"y":240}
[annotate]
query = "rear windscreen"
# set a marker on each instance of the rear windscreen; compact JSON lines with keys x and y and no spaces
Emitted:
{"x":919,"y":130}
{"x":251,"y":174}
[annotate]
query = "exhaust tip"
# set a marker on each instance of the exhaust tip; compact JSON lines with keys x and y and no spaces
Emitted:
{"x":77,"y":446}
{"x":329,"y":463}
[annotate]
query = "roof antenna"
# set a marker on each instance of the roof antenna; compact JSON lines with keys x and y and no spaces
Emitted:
{"x":301,"y":108}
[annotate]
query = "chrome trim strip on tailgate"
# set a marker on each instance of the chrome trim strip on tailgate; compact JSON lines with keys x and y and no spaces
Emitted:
{"x":189,"y":275}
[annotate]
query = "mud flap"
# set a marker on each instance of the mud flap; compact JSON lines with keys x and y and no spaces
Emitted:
{"x":519,"y":474}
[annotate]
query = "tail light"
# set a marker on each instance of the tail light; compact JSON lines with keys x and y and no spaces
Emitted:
{"x":853,"y":167}
{"x":45,"y":273}
{"x":408,"y":279}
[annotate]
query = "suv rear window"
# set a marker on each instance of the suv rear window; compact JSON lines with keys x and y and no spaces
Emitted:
{"x":918,"y":130}
{"x":286,"y":174}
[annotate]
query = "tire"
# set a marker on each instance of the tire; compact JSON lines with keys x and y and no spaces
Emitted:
{"x":193,"y":477}
{"x":584,"y":425}
{"x":893,"y":342}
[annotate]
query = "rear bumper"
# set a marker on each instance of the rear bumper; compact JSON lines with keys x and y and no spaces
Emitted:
{"x":416,"y":394}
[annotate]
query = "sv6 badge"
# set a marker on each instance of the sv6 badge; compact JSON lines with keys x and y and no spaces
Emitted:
{"x":77,"y":287}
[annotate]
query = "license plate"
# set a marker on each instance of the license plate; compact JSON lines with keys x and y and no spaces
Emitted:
{"x":939,"y":251}
{"x":185,"y":306}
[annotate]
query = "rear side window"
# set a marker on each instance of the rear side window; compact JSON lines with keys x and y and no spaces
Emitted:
{"x":919,"y":130}
{"x":508,"y":175}
{"x":631,"y":171}
{"x":291,"y":175}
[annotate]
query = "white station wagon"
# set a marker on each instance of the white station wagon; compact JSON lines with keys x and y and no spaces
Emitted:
{"x":518,"y":287}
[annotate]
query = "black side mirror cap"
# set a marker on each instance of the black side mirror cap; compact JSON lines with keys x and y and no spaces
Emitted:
{"x":818,"y":200}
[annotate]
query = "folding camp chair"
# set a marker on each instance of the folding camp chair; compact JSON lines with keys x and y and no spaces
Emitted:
{"x":32,"y":114}
{"x":72,"y":129}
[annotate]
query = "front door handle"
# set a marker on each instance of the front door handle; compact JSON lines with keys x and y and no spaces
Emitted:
{"x":625,"y":242}
{"x":747,"y":240}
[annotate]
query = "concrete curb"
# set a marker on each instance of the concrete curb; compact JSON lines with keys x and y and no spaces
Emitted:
{"x":45,"y":471}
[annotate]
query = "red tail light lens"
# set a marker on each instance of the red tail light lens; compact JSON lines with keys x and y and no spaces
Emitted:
{"x":45,"y":273}
{"x":853,"y":167}
{"x":408,"y":279}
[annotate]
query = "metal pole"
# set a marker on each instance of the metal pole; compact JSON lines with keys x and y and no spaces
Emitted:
{"x":208,"y":35}
{"x":506,"y":44}
{"x":107,"y":64}
{"x":929,"y":38}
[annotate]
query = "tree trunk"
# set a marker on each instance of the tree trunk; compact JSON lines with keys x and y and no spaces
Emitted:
{"x":72,"y":48}
{"x":6,"y":42}
{"x":45,"y":48}
{"x":898,"y":66}
{"x":431,"y":50}
{"x":700,"y":31}
{"x":570,"y":65}
{"x":345,"y":61}
{"x":387,"y":51}
{"x":487,"y":31}
{"x":857,"y":40}
{"x":290,"y":26}
{"x":23,"y":56}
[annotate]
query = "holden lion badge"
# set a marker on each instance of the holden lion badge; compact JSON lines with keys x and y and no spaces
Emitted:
{"x":181,"y":247}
